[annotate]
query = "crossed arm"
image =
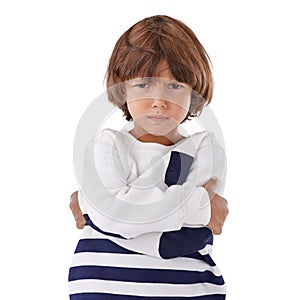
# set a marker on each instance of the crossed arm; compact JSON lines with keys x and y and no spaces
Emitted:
{"x":218,"y":205}
{"x":171,"y":244}
{"x":209,"y":161}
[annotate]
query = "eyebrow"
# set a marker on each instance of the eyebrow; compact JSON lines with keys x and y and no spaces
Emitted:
{"x":156,"y":79}
{"x":144,"y":79}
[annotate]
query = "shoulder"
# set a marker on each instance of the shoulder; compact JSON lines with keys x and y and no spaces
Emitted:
{"x":210,"y":148}
{"x":110,"y":140}
{"x":106,"y":135}
{"x":206,"y":143}
{"x":203,"y":138}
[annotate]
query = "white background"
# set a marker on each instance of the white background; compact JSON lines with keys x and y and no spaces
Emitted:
{"x":53,"y":60}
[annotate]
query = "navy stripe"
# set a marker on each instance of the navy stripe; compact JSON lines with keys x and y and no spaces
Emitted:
{"x":90,"y":223}
{"x":105,"y":296}
{"x":178,"y":168}
{"x":101,"y":245}
{"x":184,"y":241}
{"x":143,"y":275}
{"x":107,"y":246}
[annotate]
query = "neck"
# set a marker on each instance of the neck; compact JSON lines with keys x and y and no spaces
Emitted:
{"x":171,"y":138}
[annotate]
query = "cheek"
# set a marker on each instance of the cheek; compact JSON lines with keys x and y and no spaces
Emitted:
{"x":137,"y":107}
{"x":178,"y":112}
{"x":181,"y":108}
{"x":181,"y":98}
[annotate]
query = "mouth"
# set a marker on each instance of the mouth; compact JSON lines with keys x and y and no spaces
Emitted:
{"x":158,"y":118}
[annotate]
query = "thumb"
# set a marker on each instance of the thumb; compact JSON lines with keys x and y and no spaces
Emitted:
{"x":211,"y":183}
{"x":210,"y":186}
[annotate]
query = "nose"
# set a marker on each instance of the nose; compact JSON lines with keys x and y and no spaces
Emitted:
{"x":158,"y":102}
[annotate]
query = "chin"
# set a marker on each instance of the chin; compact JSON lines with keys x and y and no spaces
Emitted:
{"x":159,"y":131}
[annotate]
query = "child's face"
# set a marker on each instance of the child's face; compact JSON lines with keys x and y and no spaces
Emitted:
{"x":158,"y":104}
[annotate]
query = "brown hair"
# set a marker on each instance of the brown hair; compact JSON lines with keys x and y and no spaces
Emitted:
{"x":144,"y":45}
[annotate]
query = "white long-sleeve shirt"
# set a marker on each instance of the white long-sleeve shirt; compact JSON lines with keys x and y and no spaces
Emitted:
{"x":137,"y":192}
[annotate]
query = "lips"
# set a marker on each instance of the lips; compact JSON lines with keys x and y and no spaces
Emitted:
{"x":158,"y":118}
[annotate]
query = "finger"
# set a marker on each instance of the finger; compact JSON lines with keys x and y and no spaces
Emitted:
{"x":210,"y":186}
{"x":218,"y":231}
{"x":71,"y":206}
{"x":74,"y":196}
{"x":74,"y":201}
{"x":80,"y":220}
{"x":226,"y":212}
{"x":212,"y":182}
{"x":74,"y":206}
{"x":80,"y":223}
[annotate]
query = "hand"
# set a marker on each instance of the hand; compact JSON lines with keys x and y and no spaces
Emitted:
{"x":76,"y":211}
{"x":219,"y":208}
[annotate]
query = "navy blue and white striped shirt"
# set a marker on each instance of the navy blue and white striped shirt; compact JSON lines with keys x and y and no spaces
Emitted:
{"x":146,"y":211}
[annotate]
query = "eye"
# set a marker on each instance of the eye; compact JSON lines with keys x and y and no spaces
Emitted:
{"x":175,"y":86}
{"x":143,"y":85}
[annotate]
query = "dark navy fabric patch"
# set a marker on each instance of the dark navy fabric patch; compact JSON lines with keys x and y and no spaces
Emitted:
{"x":178,"y":168}
{"x":184,"y":241}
